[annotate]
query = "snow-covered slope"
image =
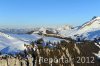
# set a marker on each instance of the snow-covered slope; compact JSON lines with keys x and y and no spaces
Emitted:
{"x":10,"y":44}
{"x":66,"y":30}
{"x":92,"y":25}
{"x":33,"y":37}
{"x":26,"y":37}
{"x":90,"y":29}
{"x":13,"y":43}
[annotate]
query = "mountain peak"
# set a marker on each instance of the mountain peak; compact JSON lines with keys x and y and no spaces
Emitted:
{"x":65,"y":27}
{"x":93,"y":23}
{"x":95,"y":17}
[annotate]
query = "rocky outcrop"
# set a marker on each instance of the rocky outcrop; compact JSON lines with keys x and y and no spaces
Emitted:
{"x":65,"y":54}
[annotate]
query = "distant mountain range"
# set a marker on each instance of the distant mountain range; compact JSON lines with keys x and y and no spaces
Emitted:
{"x":88,"y":30}
{"x":13,"y":40}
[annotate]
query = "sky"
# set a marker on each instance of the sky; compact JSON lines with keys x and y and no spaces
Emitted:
{"x":36,"y":13}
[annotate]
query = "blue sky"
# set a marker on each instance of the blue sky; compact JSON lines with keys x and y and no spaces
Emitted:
{"x":18,"y":13}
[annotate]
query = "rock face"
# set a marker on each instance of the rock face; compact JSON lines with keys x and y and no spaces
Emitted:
{"x":16,"y":62}
{"x":65,"y":54}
